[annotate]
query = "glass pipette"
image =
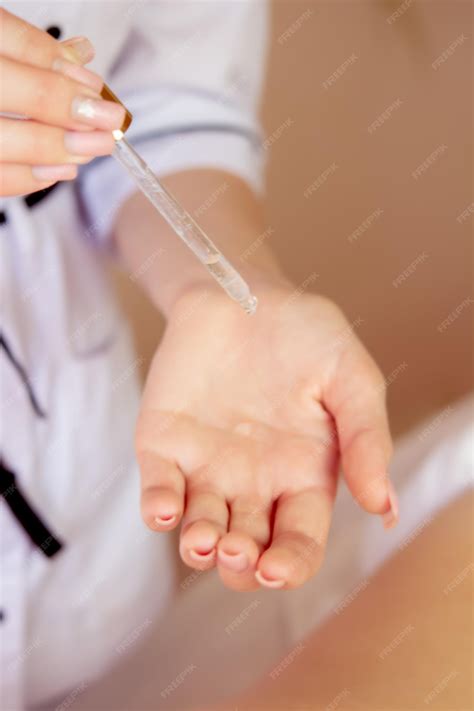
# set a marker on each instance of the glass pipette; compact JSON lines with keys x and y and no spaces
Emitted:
{"x":184,"y":225}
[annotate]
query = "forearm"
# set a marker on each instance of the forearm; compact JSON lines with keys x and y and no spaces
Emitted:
{"x":228,"y":212}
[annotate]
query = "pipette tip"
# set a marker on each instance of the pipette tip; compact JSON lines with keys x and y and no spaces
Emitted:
{"x":250,"y":304}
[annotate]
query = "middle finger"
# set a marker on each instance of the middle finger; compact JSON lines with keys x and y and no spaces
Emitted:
{"x":239,"y":550}
{"x":33,"y":143}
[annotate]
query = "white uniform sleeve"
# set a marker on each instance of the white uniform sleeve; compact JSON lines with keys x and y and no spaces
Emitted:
{"x":191,"y":74}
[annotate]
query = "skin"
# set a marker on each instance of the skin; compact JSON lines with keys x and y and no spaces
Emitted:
{"x":34,"y":153}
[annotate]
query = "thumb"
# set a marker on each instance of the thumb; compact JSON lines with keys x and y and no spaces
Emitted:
{"x":355,"y":396}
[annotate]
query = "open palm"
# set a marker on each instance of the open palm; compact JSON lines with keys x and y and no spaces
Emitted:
{"x":242,"y":425}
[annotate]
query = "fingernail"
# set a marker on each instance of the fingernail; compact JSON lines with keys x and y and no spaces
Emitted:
{"x":99,"y":113}
{"x":78,"y":50}
{"x":165,"y":520}
{"x":390,"y":519}
{"x":268,"y":582}
{"x":78,"y":73}
{"x":89,"y":143}
{"x":54,"y":172}
{"x":202,"y":557}
{"x":235,"y":561}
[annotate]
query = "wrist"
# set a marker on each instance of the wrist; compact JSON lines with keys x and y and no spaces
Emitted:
{"x":263,"y":283}
{"x":195,"y":279}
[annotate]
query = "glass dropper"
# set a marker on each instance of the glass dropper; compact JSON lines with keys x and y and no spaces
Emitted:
{"x":184,"y":225}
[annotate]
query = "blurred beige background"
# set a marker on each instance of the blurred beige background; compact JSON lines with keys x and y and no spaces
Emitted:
{"x":390,"y":65}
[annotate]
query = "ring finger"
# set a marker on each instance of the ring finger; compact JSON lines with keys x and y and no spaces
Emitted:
{"x":239,"y":550}
{"x":204,"y":522}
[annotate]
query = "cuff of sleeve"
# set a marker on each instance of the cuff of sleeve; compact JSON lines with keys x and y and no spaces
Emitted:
{"x":108,"y":185}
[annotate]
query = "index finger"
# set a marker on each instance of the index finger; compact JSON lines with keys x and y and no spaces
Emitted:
{"x":25,"y":43}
